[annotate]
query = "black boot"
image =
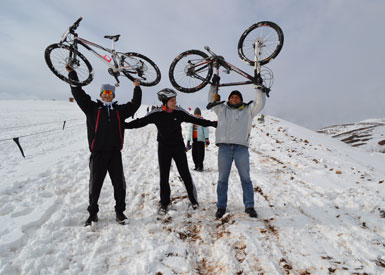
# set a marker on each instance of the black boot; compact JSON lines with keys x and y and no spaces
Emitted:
{"x":121,"y":218}
{"x":91,"y":218}
{"x":220,"y":213}
{"x":251,"y":212}
{"x":195,"y":206}
{"x":163,"y":209}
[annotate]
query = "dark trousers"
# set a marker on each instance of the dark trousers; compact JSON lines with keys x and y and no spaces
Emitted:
{"x":100,"y":163}
{"x":178,"y":154}
{"x":198,"y":153}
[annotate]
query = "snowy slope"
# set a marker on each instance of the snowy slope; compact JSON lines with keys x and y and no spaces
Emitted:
{"x":320,"y":204}
{"x":369,"y":135}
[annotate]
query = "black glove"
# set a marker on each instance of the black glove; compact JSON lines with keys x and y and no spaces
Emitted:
{"x":214,"y":124}
{"x":188,"y":146}
{"x":266,"y":91}
{"x":72,"y":75}
{"x":216,"y":79}
{"x":207,"y":142}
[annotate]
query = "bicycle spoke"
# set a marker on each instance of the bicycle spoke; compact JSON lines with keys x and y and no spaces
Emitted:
{"x":135,"y":65}
{"x":190,"y":72}
{"x":269,"y":39}
{"x":266,"y":35}
{"x":58,"y":56}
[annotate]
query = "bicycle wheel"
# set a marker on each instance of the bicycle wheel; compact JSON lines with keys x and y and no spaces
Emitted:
{"x":267,"y":34}
{"x":141,"y":67}
{"x":190,"y":71}
{"x":57,"y":56}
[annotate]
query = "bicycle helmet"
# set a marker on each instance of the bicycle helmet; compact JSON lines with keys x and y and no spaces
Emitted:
{"x":165,"y":94}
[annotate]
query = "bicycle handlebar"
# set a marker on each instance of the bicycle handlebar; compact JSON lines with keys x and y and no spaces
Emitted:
{"x":207,"y":48}
{"x":76,"y":24}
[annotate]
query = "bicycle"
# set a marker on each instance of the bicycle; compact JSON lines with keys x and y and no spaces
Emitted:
{"x":192,"y":70}
{"x":65,"y":53}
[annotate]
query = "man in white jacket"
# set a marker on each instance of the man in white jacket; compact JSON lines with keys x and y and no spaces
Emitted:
{"x":232,"y":137}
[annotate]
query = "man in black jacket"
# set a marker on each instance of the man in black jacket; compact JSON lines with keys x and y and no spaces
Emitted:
{"x":168,"y":119}
{"x":105,"y":129}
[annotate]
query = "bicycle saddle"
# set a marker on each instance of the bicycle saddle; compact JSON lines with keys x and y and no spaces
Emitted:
{"x":113,"y":37}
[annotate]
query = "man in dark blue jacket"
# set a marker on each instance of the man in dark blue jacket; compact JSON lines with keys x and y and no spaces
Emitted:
{"x":105,"y":130}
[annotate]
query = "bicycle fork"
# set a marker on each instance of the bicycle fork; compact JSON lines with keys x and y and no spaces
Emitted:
{"x":258,"y":45}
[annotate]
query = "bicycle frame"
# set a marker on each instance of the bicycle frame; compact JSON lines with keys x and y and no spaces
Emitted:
{"x":67,"y":55}
{"x":230,"y":67}
{"x":218,"y":61}
{"x":115,"y":66}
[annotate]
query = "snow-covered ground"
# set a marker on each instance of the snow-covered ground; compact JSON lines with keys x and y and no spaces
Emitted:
{"x":320,"y":204}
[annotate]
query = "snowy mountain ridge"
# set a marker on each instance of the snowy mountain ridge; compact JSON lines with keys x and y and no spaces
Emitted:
{"x":368,"y":135}
{"x":320,"y":203}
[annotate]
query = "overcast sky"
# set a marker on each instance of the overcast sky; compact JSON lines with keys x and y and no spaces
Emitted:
{"x":330,"y":70}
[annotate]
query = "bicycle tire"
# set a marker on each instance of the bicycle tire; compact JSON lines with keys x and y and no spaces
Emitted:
{"x":146,"y":70}
{"x":181,"y":75}
{"x":57,"y":57}
{"x":272,"y":37}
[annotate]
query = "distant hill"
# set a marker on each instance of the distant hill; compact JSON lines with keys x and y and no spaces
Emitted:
{"x":369,"y":135}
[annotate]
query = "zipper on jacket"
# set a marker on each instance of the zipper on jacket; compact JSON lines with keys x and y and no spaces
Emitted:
{"x":96,"y":129}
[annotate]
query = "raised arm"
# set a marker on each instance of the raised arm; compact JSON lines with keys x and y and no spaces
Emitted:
{"x":257,"y":105}
{"x":82,"y":99}
{"x":214,"y":99}
{"x":213,"y":90}
{"x":132,"y":106}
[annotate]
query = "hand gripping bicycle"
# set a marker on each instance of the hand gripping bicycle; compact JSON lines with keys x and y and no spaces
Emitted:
{"x":192,"y":70}
{"x":65,"y":53}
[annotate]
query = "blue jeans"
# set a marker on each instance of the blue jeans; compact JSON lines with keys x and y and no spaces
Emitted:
{"x":240,"y":154}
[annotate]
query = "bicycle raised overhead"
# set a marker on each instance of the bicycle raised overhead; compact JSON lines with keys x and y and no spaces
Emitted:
{"x":192,"y":70}
{"x":66,"y":53}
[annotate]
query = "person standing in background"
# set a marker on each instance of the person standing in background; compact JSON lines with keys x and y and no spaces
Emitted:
{"x":199,"y":136}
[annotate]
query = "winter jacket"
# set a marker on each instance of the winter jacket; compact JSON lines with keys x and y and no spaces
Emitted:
{"x":105,"y":130}
{"x":203,"y":133}
{"x":169,"y":124}
{"x":234,"y":124}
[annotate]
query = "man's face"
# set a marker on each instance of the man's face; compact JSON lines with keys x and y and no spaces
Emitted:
{"x":197,"y":115}
{"x":235,"y":100}
{"x":106,"y":96}
{"x":171,"y":103}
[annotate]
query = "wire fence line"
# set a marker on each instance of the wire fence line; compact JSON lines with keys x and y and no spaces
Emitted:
{"x":39,"y":133}
{"x":36,"y":124}
{"x":17,"y":139}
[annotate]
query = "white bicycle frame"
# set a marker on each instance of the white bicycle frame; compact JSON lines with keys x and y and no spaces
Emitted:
{"x":116,"y":57}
